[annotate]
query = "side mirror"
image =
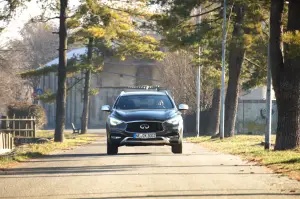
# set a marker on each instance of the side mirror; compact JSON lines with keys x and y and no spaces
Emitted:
{"x":183,"y":107}
{"x":105,"y":108}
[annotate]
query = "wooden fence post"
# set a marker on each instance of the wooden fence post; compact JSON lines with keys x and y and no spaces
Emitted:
{"x":8,"y":141}
{"x":5,"y":141}
{"x":1,"y":141}
{"x":34,"y":127}
{"x":14,"y":126}
{"x":22,"y":126}
{"x":26,"y":128}
{"x":30,"y":125}
{"x":12,"y":141}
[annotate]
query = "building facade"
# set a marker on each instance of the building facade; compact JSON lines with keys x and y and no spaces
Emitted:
{"x":115,"y":77}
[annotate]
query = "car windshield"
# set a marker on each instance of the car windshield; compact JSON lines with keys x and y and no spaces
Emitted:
{"x":144,"y":102}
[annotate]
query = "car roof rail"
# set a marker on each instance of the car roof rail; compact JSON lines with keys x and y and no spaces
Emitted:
{"x":166,"y":92}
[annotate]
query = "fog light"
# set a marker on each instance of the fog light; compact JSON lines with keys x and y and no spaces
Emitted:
{"x":115,"y":137}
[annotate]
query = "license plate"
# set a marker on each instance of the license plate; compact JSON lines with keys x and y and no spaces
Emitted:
{"x":144,"y":135}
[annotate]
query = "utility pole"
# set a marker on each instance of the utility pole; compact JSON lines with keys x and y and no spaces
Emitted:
{"x":198,"y":80}
{"x":268,"y":106}
{"x":222,"y":114}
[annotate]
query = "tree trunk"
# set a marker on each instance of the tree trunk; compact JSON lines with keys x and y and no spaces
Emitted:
{"x":87,"y":84}
{"x":62,"y":75}
{"x":35,"y":84}
{"x":285,"y":75}
{"x":288,"y":105}
{"x":236,"y":58}
{"x":214,"y":121}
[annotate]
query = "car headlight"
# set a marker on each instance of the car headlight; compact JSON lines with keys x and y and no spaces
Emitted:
{"x":114,"y":121}
{"x":175,"y":120}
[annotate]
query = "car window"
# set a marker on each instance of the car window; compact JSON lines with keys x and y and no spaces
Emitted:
{"x":144,"y":102}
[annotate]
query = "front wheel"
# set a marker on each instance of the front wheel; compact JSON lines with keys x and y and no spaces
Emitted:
{"x":177,"y":149}
{"x":112,"y":149}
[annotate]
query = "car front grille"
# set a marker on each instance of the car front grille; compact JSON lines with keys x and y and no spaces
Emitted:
{"x":144,"y":127}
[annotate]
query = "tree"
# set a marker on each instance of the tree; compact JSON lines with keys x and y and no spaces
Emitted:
{"x":176,"y":26}
{"x":107,"y":29}
{"x":254,"y":73}
{"x":11,"y":86}
{"x":285,"y":68}
{"x":37,"y":46}
{"x":247,"y":25}
{"x":237,"y":51}
{"x":8,"y":11}
{"x":180,"y":31}
{"x":61,"y":93}
{"x":87,"y":84}
{"x":214,"y":122}
{"x":179,"y":66}
{"x":113,"y":25}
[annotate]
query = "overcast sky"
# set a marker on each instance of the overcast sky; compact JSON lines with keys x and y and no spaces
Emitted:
{"x":23,"y":16}
{"x":32,"y":10}
{"x":14,"y":27}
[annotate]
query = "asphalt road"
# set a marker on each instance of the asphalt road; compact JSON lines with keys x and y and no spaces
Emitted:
{"x":143,"y":172}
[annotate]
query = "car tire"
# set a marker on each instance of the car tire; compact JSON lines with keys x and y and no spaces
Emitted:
{"x":112,"y":149}
{"x":177,"y":149}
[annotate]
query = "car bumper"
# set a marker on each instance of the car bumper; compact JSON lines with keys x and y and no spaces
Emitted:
{"x":130,"y":141}
{"x":120,"y":137}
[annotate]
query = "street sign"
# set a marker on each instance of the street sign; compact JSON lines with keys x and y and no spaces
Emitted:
{"x":38,"y":91}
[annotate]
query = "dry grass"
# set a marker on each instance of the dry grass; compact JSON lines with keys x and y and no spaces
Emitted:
{"x":249,"y":148}
{"x":25,"y":152}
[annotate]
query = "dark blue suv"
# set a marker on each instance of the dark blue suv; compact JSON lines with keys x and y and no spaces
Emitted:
{"x":142,"y":119}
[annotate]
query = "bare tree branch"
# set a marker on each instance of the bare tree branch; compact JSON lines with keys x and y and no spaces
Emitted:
{"x":42,"y":19}
{"x":207,"y":12}
{"x":252,"y":62}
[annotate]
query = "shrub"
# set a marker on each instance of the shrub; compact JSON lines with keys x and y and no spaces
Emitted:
{"x":23,"y":109}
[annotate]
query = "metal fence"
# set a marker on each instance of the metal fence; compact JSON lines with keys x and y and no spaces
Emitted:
{"x":251,"y":117}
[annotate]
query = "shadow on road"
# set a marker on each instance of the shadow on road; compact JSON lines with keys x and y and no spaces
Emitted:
{"x":197,"y":195}
{"x":90,"y":155}
{"x":156,"y":194}
{"x":113,"y":170}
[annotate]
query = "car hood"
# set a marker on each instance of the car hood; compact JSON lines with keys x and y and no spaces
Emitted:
{"x":154,"y":115}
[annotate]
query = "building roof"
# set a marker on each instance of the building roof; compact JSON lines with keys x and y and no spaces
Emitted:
{"x":72,"y":53}
{"x":127,"y":62}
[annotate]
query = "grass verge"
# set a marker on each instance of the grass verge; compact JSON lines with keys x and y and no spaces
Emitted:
{"x":249,"y":148}
{"x":28,"y":151}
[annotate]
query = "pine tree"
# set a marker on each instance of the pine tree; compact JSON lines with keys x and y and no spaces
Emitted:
{"x":8,"y":11}
{"x":179,"y":31}
{"x":111,"y":30}
{"x":285,"y":68}
{"x":61,"y":94}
